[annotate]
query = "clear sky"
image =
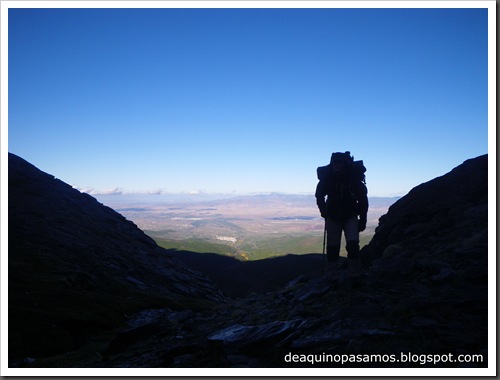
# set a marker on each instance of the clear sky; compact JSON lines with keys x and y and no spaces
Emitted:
{"x":246,"y":100}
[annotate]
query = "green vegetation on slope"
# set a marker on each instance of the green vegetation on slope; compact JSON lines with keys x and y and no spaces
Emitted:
{"x":197,"y":245}
{"x":256,"y":248}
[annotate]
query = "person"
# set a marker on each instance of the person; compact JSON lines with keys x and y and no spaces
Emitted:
{"x":346,"y":205}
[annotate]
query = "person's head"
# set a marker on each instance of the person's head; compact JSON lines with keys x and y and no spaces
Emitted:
{"x":339,"y":161}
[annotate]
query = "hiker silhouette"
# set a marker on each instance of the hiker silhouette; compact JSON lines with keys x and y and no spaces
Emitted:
{"x":342,"y":183}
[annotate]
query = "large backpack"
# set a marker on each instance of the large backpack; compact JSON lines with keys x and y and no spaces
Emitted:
{"x":357,"y":168}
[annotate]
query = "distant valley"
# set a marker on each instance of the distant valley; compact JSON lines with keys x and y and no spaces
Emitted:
{"x":245,"y":227}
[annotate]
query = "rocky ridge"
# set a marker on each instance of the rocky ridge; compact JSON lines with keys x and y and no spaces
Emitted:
{"x":422,"y":289}
{"x":77,"y":267}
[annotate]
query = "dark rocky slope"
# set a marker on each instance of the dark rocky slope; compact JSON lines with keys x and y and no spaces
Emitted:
{"x":448,"y":214}
{"x":238,"y":279}
{"x":77,"y":268}
{"x":423,"y":289}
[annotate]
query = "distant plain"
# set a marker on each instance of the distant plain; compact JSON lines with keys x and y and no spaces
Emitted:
{"x":244,"y":227}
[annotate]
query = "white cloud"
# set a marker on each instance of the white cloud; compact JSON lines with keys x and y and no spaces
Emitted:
{"x":91,"y":191}
{"x":87,"y":190}
{"x":155,"y":192}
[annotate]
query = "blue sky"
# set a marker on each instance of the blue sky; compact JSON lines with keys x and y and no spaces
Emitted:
{"x":246,"y":100}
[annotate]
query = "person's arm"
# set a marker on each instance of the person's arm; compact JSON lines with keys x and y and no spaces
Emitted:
{"x":320,"y":197}
{"x":362,"y":206}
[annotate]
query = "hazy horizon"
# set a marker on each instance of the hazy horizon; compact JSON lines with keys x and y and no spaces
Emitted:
{"x":131,"y":198}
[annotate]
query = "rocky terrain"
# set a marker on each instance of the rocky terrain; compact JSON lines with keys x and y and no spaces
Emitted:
{"x":77,"y":268}
{"x":89,"y":289}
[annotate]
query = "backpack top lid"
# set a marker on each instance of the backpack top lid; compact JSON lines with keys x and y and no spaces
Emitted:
{"x":356,"y":167}
{"x":343,"y":157}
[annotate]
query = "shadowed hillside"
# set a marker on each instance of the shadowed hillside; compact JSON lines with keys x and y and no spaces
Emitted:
{"x":77,"y":267}
{"x":448,"y":213}
{"x":238,"y":278}
{"x":79,"y":270}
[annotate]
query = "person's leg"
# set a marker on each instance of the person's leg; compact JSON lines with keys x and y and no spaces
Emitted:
{"x":333,"y":237}
{"x":352,"y":238}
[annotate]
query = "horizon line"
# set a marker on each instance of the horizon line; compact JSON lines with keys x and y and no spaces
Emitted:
{"x":199,"y":193}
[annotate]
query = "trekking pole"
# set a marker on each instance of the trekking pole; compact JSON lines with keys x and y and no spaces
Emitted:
{"x":324,"y":246}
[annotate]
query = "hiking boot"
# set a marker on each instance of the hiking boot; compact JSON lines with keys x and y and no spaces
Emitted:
{"x":352,"y":248}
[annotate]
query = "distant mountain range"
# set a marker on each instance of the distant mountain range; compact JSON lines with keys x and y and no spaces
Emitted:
{"x":184,"y":198}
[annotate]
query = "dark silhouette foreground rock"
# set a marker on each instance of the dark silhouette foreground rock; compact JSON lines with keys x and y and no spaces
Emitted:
{"x":422,"y":290}
{"x":77,"y":267}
